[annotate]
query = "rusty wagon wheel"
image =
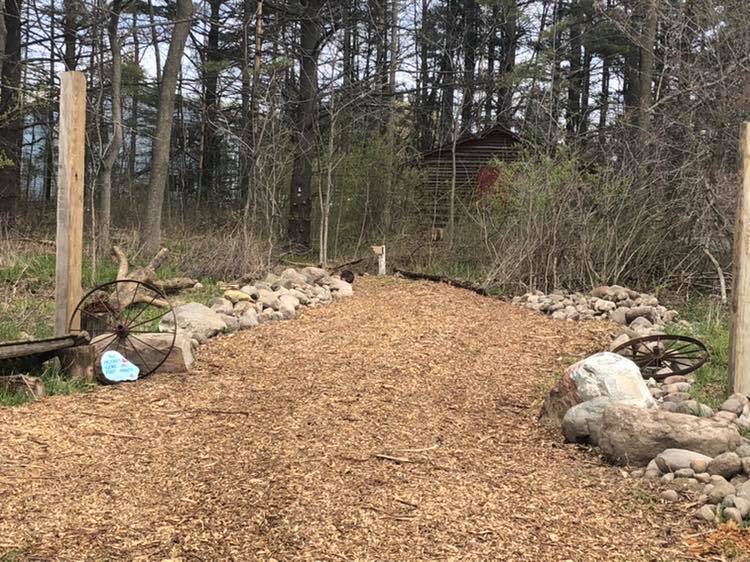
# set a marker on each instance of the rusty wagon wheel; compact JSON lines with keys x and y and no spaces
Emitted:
{"x":655,"y":354}
{"x":125,"y":316}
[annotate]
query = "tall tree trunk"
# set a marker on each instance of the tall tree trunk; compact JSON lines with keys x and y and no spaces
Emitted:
{"x":508,"y":46}
{"x":104,"y":175}
{"x":11,"y":120}
{"x":489,"y":101}
{"x":70,"y":29}
{"x":300,"y":193}
{"x":648,"y":43}
{"x":210,"y":142}
{"x":573,"y":109}
{"x":471,"y":18}
{"x":3,"y":34}
{"x":133,"y":152}
{"x":151,"y":229}
{"x":49,"y":153}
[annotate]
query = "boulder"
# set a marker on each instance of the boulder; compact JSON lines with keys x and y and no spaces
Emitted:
{"x":633,"y":435}
{"x":251,"y":291}
{"x":601,"y":375}
{"x":268,"y":299}
{"x":340,"y":288}
{"x":672,"y":460}
{"x":619,"y":315}
{"x":248,"y":319}
{"x":313,"y":274}
{"x":288,"y":305}
{"x":236,"y":296}
{"x":294,"y":276}
{"x":231,"y":321}
{"x":732,"y":514}
{"x":735,"y":404}
{"x":195,"y":318}
{"x":726,"y":465}
{"x":582,"y":422}
{"x":221,"y":306}
{"x":719,"y":490}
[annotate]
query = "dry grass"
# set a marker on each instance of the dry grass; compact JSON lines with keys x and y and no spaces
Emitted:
{"x":397,"y":425}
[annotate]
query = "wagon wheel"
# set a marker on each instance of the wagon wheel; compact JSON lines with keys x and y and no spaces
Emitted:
{"x":680,"y":354}
{"x":122,"y":316}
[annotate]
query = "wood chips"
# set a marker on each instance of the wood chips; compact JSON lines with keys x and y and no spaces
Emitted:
{"x":399,"y":424}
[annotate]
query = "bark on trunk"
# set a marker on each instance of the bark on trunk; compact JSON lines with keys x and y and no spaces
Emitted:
{"x":11,"y":132}
{"x":151,"y":233}
{"x":300,"y":195}
{"x":104,"y":175}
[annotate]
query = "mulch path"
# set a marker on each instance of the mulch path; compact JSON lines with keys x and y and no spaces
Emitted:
{"x":399,"y":424}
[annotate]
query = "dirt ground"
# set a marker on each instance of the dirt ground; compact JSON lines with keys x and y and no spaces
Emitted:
{"x":399,"y":424}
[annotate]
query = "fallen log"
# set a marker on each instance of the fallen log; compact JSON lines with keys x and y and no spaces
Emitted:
{"x":174,"y":285}
{"x":469,"y":286}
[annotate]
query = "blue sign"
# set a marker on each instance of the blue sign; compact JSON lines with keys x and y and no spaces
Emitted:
{"x":117,"y":368}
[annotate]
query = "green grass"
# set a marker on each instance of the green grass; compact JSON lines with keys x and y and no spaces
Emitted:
{"x":56,"y":383}
{"x":709,"y":322}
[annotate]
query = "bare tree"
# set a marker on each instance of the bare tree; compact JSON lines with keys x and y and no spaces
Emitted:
{"x":151,"y":230}
{"x":104,"y":174}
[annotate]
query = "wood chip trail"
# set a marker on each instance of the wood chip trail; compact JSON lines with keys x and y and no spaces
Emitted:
{"x":399,"y":424}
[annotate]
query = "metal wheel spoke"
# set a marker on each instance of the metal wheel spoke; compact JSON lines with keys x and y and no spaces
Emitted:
{"x":145,"y":363}
{"x":148,"y":344}
{"x":153,"y":298}
{"x":150,"y":319}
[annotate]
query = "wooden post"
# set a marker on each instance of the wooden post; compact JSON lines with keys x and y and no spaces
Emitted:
{"x":70,"y":198}
{"x":380,"y":252}
{"x":739,"y":362}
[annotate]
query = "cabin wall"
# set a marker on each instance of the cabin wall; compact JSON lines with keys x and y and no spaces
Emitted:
{"x":471,"y":157}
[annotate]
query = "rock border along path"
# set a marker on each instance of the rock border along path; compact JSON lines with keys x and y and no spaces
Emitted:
{"x":399,"y":424}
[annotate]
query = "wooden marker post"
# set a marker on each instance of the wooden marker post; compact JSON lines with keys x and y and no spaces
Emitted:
{"x":380,"y":252}
{"x":70,"y":173}
{"x":739,"y":361}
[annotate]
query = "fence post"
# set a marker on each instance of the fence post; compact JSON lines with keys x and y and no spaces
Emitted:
{"x":70,"y":173}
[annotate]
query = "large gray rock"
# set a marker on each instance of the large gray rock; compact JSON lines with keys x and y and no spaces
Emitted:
{"x":288,"y":305}
{"x":294,"y":276}
{"x":672,"y":460}
{"x":268,"y":299}
{"x":340,"y":288}
{"x":195,"y":318}
{"x":726,"y":465}
{"x":314,"y":274}
{"x":248,"y":319}
{"x":582,"y":423}
{"x":735,"y":404}
{"x":633,"y":435}
{"x":605,"y":375}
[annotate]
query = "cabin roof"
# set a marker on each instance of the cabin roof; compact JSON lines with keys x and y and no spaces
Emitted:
{"x":473,"y":138}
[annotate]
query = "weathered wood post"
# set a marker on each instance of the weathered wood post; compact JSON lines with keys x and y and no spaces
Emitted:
{"x":380,"y":252}
{"x":70,"y":174}
{"x":739,"y":365}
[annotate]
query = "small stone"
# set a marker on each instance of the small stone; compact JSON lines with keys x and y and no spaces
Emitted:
{"x":637,"y":473}
{"x":236,"y":296}
{"x":673,"y":379}
{"x":745,"y":462}
{"x":719,"y":491}
{"x":738,"y":480}
{"x":743,"y":504}
{"x":727,"y":417}
{"x":728,"y":501}
{"x":735,"y":404}
{"x":732,"y":514}
{"x":726,"y":465}
{"x":684,"y":473}
{"x":703,"y":477}
{"x":221,"y":306}
{"x":672,"y":460}
{"x":670,"y":496}
{"x":677,"y":397}
{"x":668,"y":477}
{"x":641,"y":324}
{"x":743,"y":450}
{"x":706,"y":513}
{"x":669,"y":406}
{"x":700,"y":465}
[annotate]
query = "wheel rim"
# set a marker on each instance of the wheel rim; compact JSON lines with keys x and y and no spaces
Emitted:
{"x":681,"y":354}
{"x":122,"y":316}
